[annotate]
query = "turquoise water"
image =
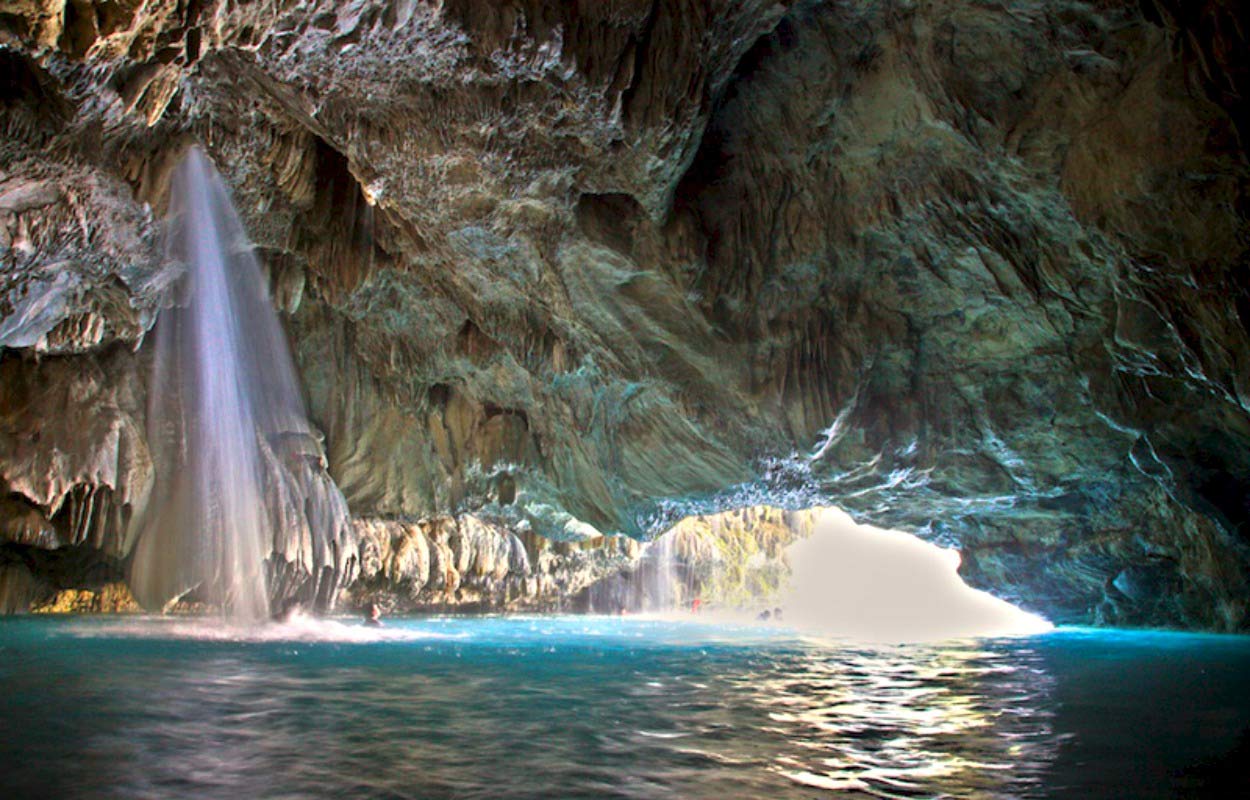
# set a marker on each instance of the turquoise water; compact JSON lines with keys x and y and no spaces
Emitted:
{"x":565,"y":707}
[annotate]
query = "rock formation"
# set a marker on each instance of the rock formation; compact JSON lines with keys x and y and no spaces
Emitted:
{"x":735,"y":561}
{"x":975,"y":270}
{"x":471,"y":563}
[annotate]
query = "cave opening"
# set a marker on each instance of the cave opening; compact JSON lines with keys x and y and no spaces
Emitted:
{"x":555,"y":276}
{"x":817,"y":570}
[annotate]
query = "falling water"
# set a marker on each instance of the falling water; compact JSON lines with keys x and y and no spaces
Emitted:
{"x":660,"y":590}
{"x":223,"y":395}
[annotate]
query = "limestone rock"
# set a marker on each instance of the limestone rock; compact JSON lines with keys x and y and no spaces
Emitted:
{"x":468,"y":562}
{"x":977,"y":271}
{"x":735,"y":560}
{"x":113,"y":598}
{"x":20,"y":589}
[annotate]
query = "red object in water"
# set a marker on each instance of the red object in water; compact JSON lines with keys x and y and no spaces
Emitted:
{"x":695,"y":604}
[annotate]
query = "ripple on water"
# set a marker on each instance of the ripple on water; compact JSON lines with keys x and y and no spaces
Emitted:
{"x":299,"y":628}
{"x":518,"y":708}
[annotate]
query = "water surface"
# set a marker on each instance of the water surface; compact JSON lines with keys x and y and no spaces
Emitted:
{"x":566,"y":707}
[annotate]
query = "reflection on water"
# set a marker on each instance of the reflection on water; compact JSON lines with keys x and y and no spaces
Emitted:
{"x":519,"y":708}
{"x":907,"y":722}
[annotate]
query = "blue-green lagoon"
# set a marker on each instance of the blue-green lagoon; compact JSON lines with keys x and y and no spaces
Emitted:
{"x":572,"y":706}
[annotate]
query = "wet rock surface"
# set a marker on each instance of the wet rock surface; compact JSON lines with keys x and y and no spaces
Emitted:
{"x":467,"y":563}
{"x":735,"y":561}
{"x":973,"y":270}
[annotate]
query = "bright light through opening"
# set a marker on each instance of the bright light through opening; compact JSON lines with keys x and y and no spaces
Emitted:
{"x":860,"y":582}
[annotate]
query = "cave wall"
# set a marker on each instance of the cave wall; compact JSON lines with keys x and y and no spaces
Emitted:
{"x":974,"y":269}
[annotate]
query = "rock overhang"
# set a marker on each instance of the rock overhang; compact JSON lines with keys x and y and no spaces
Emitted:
{"x":656,"y":253}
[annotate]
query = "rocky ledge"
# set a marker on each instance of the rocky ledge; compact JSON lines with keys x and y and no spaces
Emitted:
{"x":467,"y":563}
{"x":973,"y":269}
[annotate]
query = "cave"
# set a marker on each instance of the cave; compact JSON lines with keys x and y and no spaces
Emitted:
{"x":578,"y":308}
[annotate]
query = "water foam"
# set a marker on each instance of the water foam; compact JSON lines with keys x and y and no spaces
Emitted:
{"x":298,"y":627}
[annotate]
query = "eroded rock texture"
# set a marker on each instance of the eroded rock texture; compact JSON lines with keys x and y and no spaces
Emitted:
{"x":735,"y":561}
{"x":472,"y":563}
{"x":972,"y":269}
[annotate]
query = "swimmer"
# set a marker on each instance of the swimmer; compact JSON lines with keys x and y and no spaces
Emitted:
{"x":291,"y":608}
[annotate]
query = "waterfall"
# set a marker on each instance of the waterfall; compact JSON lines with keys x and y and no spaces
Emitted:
{"x":660,"y":591}
{"x":229,"y":435}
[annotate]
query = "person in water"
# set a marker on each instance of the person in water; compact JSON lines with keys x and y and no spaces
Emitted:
{"x":291,"y":608}
{"x":373,"y":615}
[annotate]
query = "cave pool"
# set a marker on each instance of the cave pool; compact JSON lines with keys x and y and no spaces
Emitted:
{"x":605,"y":707}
